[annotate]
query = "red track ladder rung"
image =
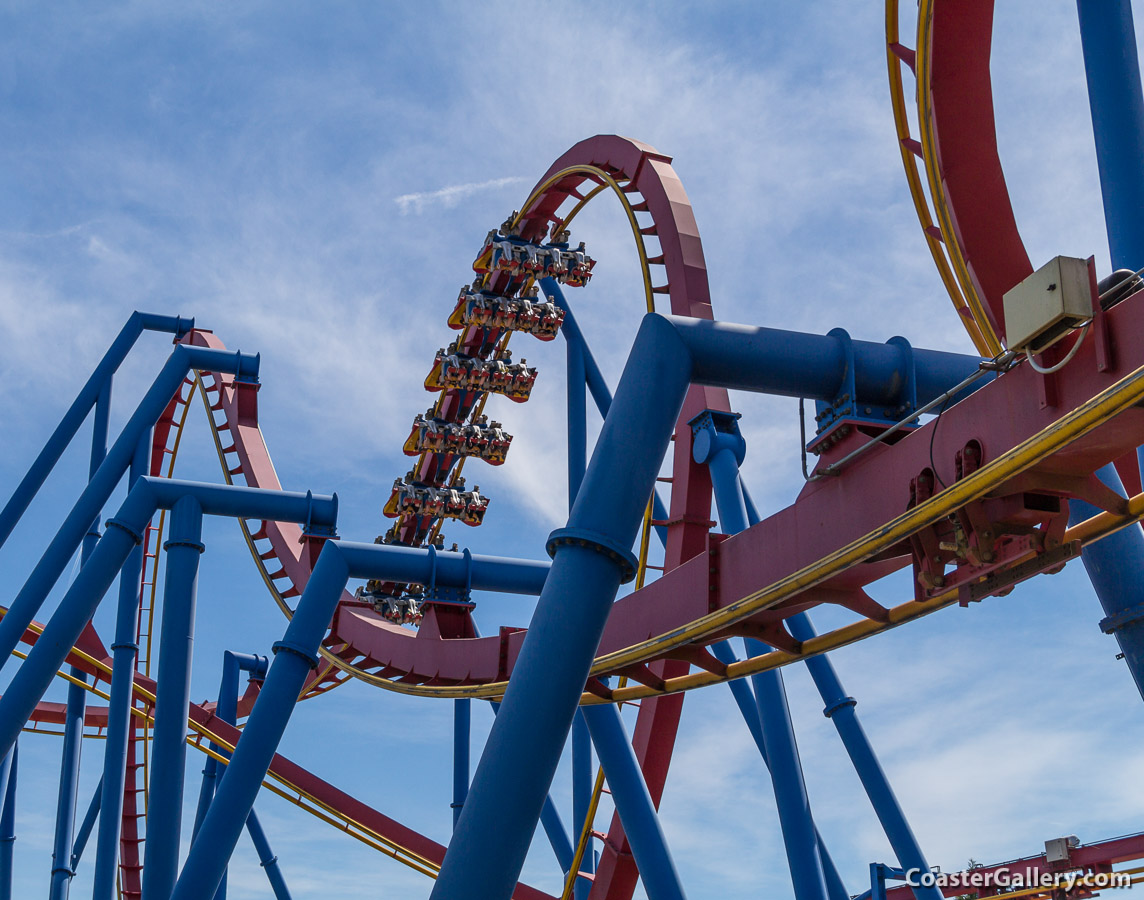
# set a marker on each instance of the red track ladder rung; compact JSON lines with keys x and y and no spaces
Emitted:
{"x":906,"y":55}
{"x":237,"y":470}
{"x":640,"y":207}
{"x":662,"y":289}
{"x":934,"y":232}
{"x":913,"y":145}
{"x":656,"y":260}
{"x":650,"y":230}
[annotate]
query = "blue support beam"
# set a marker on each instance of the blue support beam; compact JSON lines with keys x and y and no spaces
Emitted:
{"x":462,"y":721}
{"x":1112,"y":68}
{"x":582,"y":785}
{"x":124,"y":532}
{"x":1115,"y":566}
{"x":173,"y":697}
{"x":591,"y":559}
{"x":8,"y":772}
{"x":266,"y":857}
{"x":124,"y":651}
{"x":718,"y":443}
{"x":86,"y":826}
{"x":51,"y":565}
{"x":33,"y":480}
{"x":748,"y":708}
{"x":63,"y":869}
{"x":633,"y":803}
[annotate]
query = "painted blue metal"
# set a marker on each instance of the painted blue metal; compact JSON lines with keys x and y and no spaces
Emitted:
{"x":124,"y":531}
{"x":172,"y":699}
{"x":582,"y":782}
{"x":462,"y":720}
{"x":633,"y":803}
{"x":597,"y":386}
{"x":30,"y":485}
{"x":123,"y":655}
{"x":719,"y":444}
{"x":63,"y":870}
{"x":86,"y":826}
{"x":295,"y":655}
{"x":745,"y":699}
{"x":8,"y":773}
{"x":47,"y":571}
{"x":794,"y":364}
{"x":527,"y":739}
{"x":1112,"y":68}
{"x":227,"y":710}
{"x":266,"y":858}
{"x":840,"y":709}
{"x":553,"y":825}
{"x":582,"y":785}
{"x":1115,"y":566}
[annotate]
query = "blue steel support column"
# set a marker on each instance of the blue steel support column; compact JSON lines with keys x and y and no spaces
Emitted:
{"x":30,"y":485}
{"x":462,"y":717}
{"x":840,"y":709}
{"x":227,"y":710}
{"x":8,"y":821}
{"x":597,"y":387}
{"x":173,"y":699}
{"x":577,"y":462}
{"x":582,"y":785}
{"x":554,"y":830}
{"x":633,"y":803}
{"x":123,"y":655}
{"x":86,"y":826}
{"x":718,"y":443}
{"x":295,"y":655}
{"x":47,"y":571}
{"x":745,"y":699}
{"x":266,"y":858}
{"x":1115,"y":566}
{"x":62,"y":869}
{"x":591,"y":557}
{"x":1112,"y":67}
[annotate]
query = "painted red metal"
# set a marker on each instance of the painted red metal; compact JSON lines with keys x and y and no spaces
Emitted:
{"x":1098,"y":857}
{"x":966,"y":136}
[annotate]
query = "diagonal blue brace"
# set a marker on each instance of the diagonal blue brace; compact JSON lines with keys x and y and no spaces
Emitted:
{"x":718,"y":443}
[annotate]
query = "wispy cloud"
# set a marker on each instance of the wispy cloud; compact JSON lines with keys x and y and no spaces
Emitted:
{"x":451,"y":195}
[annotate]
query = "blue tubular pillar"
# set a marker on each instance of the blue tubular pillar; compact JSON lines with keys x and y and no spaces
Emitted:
{"x":582,"y":798}
{"x":47,"y":571}
{"x":136,"y":324}
{"x":8,"y":821}
{"x":266,"y":857}
{"x":123,"y":651}
{"x":462,"y":718}
{"x":86,"y":826}
{"x":227,"y":711}
{"x":591,"y":557}
{"x":1115,"y":566}
{"x":554,"y":829}
{"x":718,"y":443}
{"x":590,"y":373}
{"x":840,"y":709}
{"x":1112,"y":68}
{"x":295,"y":655}
{"x":173,"y":699}
{"x":62,"y":867}
{"x":65,"y":626}
{"x":633,"y":803}
{"x":577,"y":463}
{"x":748,"y":708}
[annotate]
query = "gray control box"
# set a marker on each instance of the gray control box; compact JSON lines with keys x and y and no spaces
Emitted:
{"x":1048,"y":304}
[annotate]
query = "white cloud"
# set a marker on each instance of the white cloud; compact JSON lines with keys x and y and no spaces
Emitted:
{"x":450,"y":196}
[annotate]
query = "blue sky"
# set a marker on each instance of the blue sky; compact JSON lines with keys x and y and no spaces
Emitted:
{"x":313,"y":181}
